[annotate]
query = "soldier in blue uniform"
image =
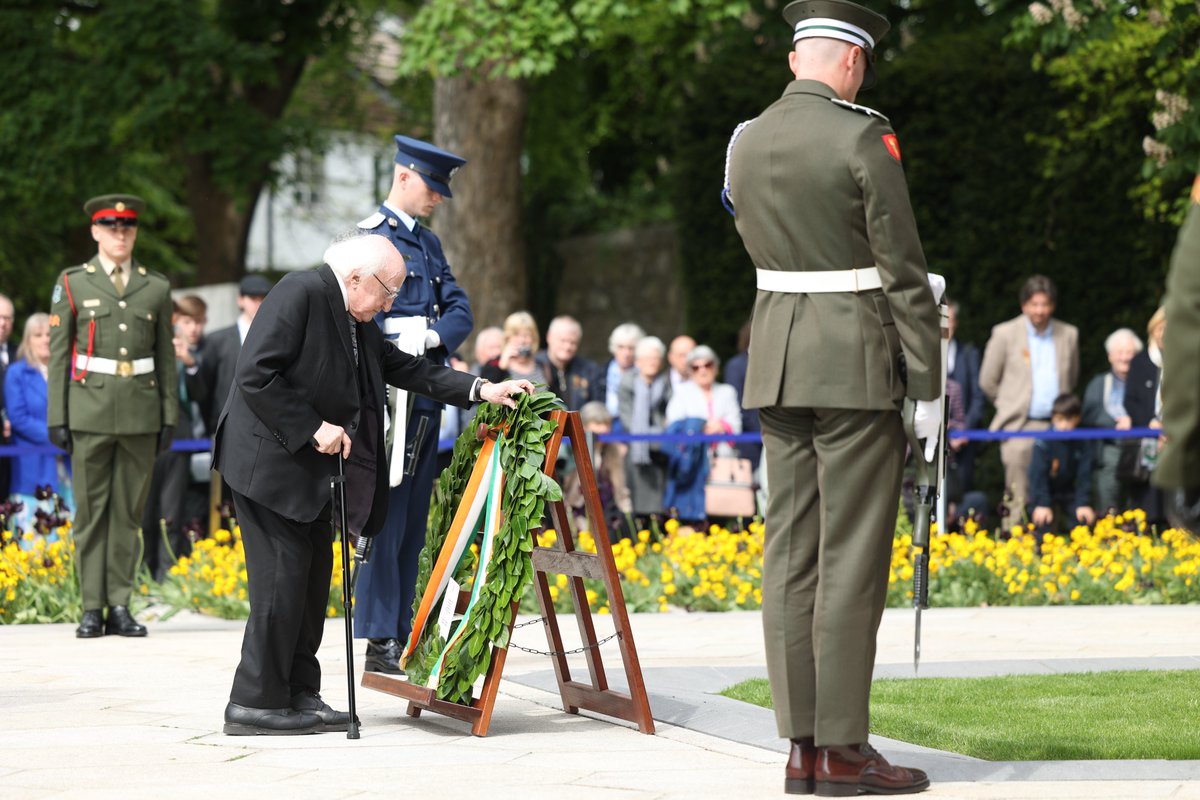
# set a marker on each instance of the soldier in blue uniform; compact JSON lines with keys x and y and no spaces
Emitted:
{"x":431,"y":316}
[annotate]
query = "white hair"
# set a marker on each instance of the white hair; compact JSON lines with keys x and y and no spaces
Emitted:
{"x":625,"y":333}
{"x":704,"y":352}
{"x":649,"y":344}
{"x":563,"y":324}
{"x":1122,"y":335}
{"x":357,"y":251}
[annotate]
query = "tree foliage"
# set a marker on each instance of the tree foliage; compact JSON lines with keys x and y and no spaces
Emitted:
{"x":1114,"y":58}
{"x":182,"y":102}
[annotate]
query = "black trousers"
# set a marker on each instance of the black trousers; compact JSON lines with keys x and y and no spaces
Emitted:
{"x":165,"y":502}
{"x":288,"y":569}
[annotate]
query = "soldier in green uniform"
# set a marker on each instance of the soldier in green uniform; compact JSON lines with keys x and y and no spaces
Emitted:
{"x":845,"y":327}
{"x":1178,"y":468}
{"x":112,"y":404}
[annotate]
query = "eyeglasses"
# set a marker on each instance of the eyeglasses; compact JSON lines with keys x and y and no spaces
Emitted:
{"x":391,"y":295}
{"x":702,"y":365}
{"x":117,"y":222}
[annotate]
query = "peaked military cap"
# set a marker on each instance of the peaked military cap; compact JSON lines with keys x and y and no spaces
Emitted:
{"x":114,"y":210}
{"x":839,"y":19}
{"x":435,"y":165}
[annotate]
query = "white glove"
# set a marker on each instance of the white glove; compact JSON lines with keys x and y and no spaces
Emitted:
{"x":938,"y":284}
{"x":432,"y":339}
{"x":412,"y":342}
{"x":927,"y":424}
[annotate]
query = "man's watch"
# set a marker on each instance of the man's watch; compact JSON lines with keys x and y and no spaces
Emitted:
{"x":477,"y":390}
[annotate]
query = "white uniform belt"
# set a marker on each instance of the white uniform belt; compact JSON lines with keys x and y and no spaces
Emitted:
{"x":112,"y":366}
{"x":836,"y":280}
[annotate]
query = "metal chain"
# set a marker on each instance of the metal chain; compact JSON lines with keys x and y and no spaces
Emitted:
{"x":583,"y":649}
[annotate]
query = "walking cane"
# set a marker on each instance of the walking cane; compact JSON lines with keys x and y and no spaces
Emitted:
{"x":337,"y":492}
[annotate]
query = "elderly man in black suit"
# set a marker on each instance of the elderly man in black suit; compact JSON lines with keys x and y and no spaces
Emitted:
{"x":309,"y":388}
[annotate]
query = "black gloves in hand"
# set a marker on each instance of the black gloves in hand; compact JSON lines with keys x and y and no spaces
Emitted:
{"x":60,"y":436}
{"x":165,"y":437}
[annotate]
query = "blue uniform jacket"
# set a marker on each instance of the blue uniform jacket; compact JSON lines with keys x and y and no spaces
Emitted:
{"x":429,"y":290}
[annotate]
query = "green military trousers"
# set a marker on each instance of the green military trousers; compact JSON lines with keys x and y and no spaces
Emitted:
{"x":835,"y":487}
{"x":111,"y":475}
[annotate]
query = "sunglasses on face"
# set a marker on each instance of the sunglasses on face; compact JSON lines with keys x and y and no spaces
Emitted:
{"x":702,"y":365}
{"x":116,"y":222}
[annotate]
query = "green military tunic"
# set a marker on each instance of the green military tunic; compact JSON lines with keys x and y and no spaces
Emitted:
{"x":1179,"y":466}
{"x":818,"y":186}
{"x":114,"y":419}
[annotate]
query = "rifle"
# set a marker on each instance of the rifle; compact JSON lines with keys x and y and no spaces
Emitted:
{"x":928,"y":492}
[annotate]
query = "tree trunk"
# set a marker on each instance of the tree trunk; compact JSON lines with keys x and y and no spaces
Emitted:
{"x":480,"y":227}
{"x":222,"y":225}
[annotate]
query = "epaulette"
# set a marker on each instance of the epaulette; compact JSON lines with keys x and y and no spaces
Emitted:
{"x":870,"y":112}
{"x":372,"y":221}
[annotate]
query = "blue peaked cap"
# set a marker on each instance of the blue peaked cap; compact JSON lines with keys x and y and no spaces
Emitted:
{"x":435,"y":165}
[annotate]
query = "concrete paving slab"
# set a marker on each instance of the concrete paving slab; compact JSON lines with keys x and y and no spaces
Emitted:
{"x":142,"y":718}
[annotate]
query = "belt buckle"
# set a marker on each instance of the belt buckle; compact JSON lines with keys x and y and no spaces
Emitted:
{"x":125,"y":369}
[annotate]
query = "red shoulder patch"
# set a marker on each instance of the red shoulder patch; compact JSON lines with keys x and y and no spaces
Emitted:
{"x":892,"y":145}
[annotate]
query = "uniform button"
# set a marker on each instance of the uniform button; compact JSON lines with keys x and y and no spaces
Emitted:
{"x":122,"y":304}
{"x":123,"y":326}
{"x":83,"y":381}
{"x":92,"y":312}
{"x":124,"y":351}
{"x":152,"y":382}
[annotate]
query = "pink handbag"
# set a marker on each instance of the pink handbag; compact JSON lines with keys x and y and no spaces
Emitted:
{"x":729,"y":490}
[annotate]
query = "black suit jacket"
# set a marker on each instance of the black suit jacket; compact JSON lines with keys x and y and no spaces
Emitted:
{"x":296,"y":370}
{"x":209,"y":386}
{"x":966,"y":372}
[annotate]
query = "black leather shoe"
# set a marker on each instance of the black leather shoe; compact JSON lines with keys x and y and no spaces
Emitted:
{"x":121,"y":623}
{"x":311,"y":703}
{"x":91,"y":626}
{"x":246,"y":721}
{"x":383,"y":655}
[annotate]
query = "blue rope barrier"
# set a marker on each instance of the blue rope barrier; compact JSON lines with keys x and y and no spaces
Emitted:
{"x":202,"y":445}
{"x":179,"y":446}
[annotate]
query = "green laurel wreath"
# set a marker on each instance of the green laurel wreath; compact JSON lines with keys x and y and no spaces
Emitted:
{"x":527,"y":489}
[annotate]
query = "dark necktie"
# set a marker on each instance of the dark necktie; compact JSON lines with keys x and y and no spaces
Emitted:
{"x":354,"y":337}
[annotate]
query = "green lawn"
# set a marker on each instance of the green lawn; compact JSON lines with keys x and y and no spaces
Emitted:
{"x":1100,"y":715}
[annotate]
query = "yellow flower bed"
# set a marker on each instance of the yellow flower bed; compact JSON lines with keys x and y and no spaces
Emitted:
{"x":720,"y":570}
{"x":37,"y":579}
{"x":212,"y":580}
{"x":1117,"y":561}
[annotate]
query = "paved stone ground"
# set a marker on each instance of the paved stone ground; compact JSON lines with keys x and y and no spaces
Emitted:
{"x":141,"y":718}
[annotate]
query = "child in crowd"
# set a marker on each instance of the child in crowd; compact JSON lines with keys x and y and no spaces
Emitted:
{"x":1060,"y":474}
{"x":608,"y":465}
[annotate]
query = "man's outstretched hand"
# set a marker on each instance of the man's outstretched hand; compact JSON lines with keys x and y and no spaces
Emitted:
{"x":502,"y":392}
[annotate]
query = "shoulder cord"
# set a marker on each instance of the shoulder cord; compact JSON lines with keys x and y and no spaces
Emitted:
{"x":74,"y":341}
{"x":726,"y":198}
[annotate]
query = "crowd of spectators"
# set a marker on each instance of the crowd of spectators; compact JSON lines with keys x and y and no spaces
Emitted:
{"x":1028,"y":372}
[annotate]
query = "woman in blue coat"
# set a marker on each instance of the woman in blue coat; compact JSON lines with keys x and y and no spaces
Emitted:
{"x":25,"y":400}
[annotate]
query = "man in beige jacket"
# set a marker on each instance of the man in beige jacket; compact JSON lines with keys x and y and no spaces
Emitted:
{"x":1029,"y":360}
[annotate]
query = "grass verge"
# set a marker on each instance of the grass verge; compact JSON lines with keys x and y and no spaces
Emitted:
{"x":1144,"y":714}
